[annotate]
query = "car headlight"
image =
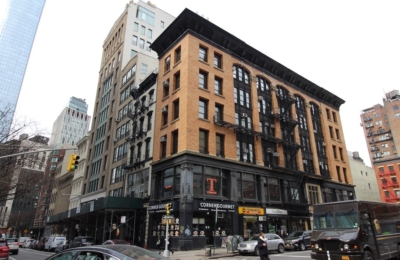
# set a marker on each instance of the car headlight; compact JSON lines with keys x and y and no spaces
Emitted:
{"x":316,"y":246}
{"x":346,"y":246}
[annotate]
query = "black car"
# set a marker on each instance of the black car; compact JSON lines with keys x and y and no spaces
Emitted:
{"x":298,"y":240}
{"x":126,"y":252}
{"x":82,"y":241}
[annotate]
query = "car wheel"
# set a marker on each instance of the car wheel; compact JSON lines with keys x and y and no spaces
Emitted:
{"x":368,"y":256}
{"x":302,"y":247}
{"x":256,"y":252}
{"x":281,"y":249}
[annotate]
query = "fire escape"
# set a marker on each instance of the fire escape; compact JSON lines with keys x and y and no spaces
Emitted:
{"x":389,"y":182}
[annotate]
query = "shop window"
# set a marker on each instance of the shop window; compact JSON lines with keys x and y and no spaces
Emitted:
{"x":210,"y":181}
{"x":313,"y":194}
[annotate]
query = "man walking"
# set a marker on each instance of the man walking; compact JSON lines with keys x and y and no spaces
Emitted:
{"x":170,"y":244}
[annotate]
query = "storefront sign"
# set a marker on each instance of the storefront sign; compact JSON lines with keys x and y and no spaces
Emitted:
{"x":212,"y":206}
{"x":276,"y":211}
{"x":211,"y":182}
{"x":251,"y":211}
{"x":160,"y":207}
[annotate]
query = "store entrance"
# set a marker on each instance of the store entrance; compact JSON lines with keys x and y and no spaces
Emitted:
{"x":250,"y":225}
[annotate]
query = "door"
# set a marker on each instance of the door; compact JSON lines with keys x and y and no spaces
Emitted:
{"x":307,"y":238}
{"x":368,"y":232}
{"x":272,"y":242}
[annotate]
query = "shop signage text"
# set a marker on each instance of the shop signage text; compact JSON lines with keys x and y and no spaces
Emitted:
{"x":211,"y":182}
{"x":251,"y":211}
{"x":212,"y":206}
{"x":276,"y":211}
{"x":159,"y":208}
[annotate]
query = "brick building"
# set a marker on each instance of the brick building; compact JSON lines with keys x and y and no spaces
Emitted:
{"x":242,"y":144}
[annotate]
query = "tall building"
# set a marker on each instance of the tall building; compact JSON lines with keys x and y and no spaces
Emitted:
{"x":21,"y":177}
{"x":366,"y":186}
{"x":72,"y":124}
{"x":382,"y":135}
{"x":128,"y":63}
{"x":16,"y":40}
{"x":242,"y":144}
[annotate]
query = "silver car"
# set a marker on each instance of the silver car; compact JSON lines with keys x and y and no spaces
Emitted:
{"x":274,"y":243}
{"x":13,"y":244}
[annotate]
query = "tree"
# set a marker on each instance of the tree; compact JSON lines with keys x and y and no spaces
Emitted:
{"x":18,"y":173}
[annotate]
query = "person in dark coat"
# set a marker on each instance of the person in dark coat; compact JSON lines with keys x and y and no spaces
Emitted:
{"x":170,"y":244}
{"x":262,"y":247}
{"x":158,"y":244}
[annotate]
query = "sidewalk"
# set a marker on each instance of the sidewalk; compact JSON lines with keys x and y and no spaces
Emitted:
{"x":200,"y":254}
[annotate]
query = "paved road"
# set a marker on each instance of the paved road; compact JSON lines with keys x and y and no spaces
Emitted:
{"x":287,"y":255}
{"x":29,"y":254}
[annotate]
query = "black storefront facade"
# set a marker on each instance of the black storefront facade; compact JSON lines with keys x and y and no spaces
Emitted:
{"x":214,"y":197}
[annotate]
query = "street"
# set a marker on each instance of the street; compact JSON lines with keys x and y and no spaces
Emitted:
{"x":26,"y":253}
{"x":295,"y":255}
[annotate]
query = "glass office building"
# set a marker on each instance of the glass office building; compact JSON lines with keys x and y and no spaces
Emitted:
{"x":18,"y":31}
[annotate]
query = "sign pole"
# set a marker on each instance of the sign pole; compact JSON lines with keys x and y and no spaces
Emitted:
{"x":166,"y":251}
{"x":215,"y":226}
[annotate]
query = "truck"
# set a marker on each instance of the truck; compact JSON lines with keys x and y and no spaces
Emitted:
{"x":355,"y":230}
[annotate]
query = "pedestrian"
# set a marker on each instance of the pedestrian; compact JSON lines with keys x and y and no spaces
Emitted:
{"x":158,"y":244}
{"x":262,"y":247}
{"x":170,"y":244}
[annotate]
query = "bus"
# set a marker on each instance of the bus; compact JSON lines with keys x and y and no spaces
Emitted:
{"x":355,"y":230}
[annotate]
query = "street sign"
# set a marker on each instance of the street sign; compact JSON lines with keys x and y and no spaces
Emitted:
{"x":168,"y":217}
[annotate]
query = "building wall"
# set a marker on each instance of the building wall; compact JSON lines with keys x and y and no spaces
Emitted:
{"x":366,"y":186}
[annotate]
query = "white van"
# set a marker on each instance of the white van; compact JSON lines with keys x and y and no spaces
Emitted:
{"x":22,"y":240}
{"x":52,"y":242}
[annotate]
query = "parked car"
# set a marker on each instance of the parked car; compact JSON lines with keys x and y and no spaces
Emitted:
{"x":4,"y":249}
{"x":82,"y":241}
{"x":22,"y":240}
{"x":116,"y":242}
{"x":33,"y":244}
{"x":62,"y":246}
{"x":13,"y":244}
{"x":298,"y":240}
{"x":52,"y":242}
{"x":126,"y":252}
{"x":274,"y":243}
{"x":41,"y":243}
{"x":27,"y":243}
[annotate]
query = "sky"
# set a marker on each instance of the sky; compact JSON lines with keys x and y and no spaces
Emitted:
{"x":350,"y":48}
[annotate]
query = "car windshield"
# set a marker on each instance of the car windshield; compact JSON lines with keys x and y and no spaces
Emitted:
{"x":3,"y":243}
{"x":254,"y":238}
{"x":120,"y":242}
{"x":296,"y":234}
{"x":89,"y":239}
{"x":135,"y":252}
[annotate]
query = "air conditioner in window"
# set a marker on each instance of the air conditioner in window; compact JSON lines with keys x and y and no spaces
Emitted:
{"x":151,"y":101}
{"x":305,"y":161}
{"x":260,"y":98}
{"x":163,"y":139}
{"x":117,"y":120}
{"x":165,"y":83}
{"x":164,"y":110}
{"x":315,"y":130}
{"x":323,"y":144}
{"x":270,"y":150}
{"x":321,"y":163}
{"x":243,"y":115}
{"x":275,"y":154}
{"x":115,"y":140}
{"x":246,"y":150}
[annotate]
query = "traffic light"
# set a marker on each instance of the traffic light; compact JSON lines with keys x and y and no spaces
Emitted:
{"x":73,"y":162}
{"x":168,"y":208}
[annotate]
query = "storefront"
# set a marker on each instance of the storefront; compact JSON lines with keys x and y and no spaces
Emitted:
{"x":252,"y":220}
{"x":278,"y":221}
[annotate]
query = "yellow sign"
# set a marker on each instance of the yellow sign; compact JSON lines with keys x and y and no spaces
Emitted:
{"x":10,"y":228}
{"x":251,"y":211}
{"x":26,"y":231}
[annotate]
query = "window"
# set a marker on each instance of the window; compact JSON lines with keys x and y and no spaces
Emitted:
{"x":203,"y":79}
{"x":334,"y":151}
{"x":331,"y":131}
{"x":144,"y":69}
{"x":328,"y":114}
{"x":133,"y":53}
{"x":220,"y":145}
{"x":175,"y":137}
{"x":203,"y":109}
{"x":334,"y":117}
{"x":210,"y":181}
{"x":136,"y":27}
{"x":341,"y":154}
{"x":337,"y":134}
{"x":218,"y":86}
{"x":148,"y":46}
{"x":134,"y":40}
{"x":273,"y":189}
{"x":203,"y":54}
{"x":141,"y":44}
{"x":176,"y":109}
{"x":313,"y":194}
{"x":167,"y":63}
{"x":162,"y":24}
{"x":178,"y":55}
{"x":166,"y":88}
{"x":345,"y":175}
{"x":165,"y":115}
{"x":219,"y":110}
{"x":217,"y":60}
{"x":145,"y":15}
{"x":177,"y":80}
{"x":163,"y":145}
{"x":203,"y":141}
{"x":149,"y":33}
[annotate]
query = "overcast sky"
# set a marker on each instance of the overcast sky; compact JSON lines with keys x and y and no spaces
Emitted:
{"x":350,"y":48}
